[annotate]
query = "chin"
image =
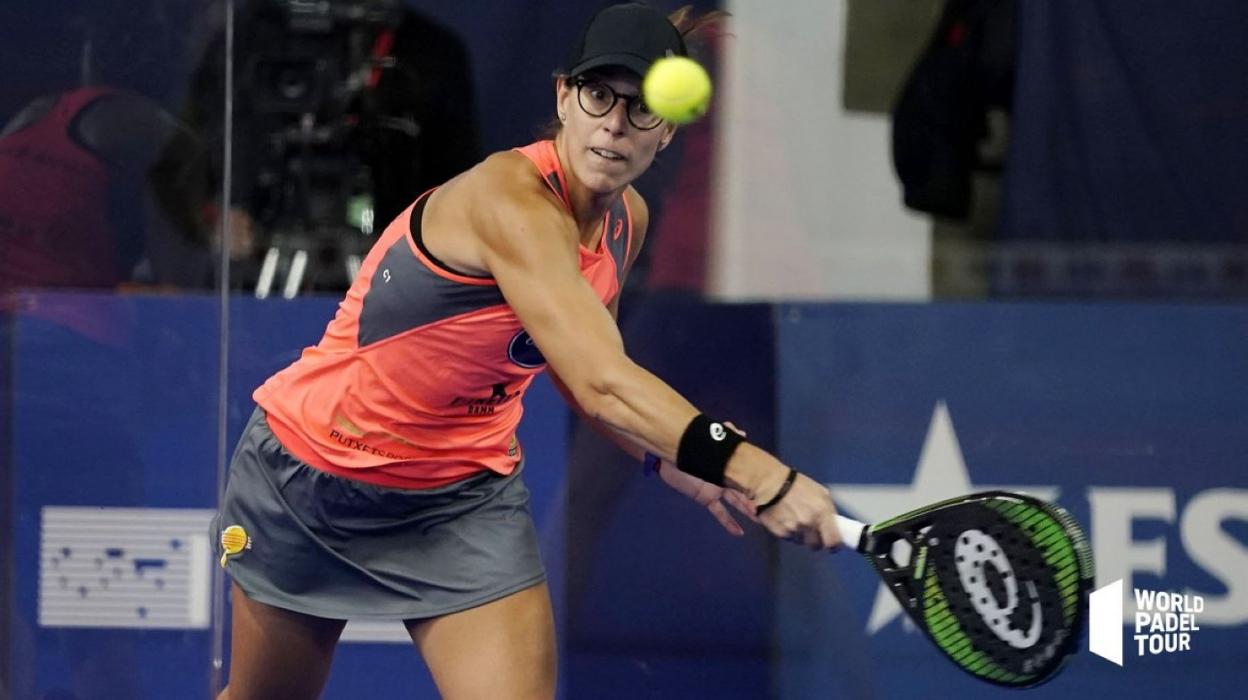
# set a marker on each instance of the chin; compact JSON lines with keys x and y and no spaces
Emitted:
{"x":605,"y":182}
{"x":602,"y":184}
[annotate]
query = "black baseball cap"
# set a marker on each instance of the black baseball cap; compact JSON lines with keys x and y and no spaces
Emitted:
{"x":632,"y":35}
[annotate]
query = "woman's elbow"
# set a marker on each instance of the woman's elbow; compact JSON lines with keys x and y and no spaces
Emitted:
{"x":601,"y":390}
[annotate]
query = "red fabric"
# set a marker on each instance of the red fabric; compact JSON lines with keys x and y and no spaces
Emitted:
{"x":54,"y":226}
{"x":680,"y":239}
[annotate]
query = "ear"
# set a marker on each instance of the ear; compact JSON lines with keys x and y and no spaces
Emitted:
{"x":563,"y":89}
{"x":667,"y":137}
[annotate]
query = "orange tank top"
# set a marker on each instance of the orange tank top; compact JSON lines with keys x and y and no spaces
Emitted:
{"x":419,"y":377}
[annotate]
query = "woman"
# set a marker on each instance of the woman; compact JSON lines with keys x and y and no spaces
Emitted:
{"x":380,"y":474}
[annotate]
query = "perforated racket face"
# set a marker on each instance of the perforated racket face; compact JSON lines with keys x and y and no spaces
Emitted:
{"x":998,"y":581}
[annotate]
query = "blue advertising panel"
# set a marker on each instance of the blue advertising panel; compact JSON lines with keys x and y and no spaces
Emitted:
{"x":662,"y":602}
{"x":113,"y":427}
{"x":1132,"y":417}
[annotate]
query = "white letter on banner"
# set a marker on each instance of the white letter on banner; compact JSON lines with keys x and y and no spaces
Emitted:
{"x":1219,"y":553}
{"x":1117,"y":555}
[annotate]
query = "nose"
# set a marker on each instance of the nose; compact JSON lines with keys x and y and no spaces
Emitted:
{"x":616,"y":121}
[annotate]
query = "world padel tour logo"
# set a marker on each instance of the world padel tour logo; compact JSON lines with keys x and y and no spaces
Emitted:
{"x":1163,"y":622}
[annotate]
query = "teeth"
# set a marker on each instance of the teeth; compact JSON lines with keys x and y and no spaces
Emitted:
{"x":610,"y":155}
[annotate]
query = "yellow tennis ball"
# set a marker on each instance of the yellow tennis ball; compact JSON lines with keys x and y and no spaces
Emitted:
{"x":677,"y":88}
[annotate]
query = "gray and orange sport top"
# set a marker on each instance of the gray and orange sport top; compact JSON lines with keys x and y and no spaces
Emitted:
{"x":418,"y":379}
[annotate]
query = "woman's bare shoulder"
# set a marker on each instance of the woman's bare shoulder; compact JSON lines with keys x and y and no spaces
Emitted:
{"x":637,"y":207}
{"x":506,"y":180}
{"x":508,"y":171}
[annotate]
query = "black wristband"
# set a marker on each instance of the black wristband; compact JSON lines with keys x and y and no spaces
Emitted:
{"x":705,"y":449}
{"x":784,"y":489}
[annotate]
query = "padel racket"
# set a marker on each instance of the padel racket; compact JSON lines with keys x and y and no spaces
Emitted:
{"x":998,"y":581}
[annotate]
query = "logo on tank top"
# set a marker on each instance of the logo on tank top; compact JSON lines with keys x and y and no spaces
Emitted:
{"x":523,"y":351}
{"x":485,"y":406}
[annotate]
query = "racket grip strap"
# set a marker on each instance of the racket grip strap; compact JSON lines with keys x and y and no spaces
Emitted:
{"x":851,"y":531}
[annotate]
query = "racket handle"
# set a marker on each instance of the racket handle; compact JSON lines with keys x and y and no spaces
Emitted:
{"x":851,"y":531}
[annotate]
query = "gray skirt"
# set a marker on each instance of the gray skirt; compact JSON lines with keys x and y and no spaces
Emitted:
{"x":309,"y":541}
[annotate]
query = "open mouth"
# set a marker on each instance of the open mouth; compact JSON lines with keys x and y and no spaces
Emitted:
{"x":607,"y":154}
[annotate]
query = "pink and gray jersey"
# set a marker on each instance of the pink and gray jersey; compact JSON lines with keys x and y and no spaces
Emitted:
{"x":418,"y":379}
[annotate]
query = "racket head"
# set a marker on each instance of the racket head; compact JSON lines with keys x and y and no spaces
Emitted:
{"x":999,"y":581}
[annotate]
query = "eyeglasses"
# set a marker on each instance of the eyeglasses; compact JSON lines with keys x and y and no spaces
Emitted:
{"x":597,"y":99}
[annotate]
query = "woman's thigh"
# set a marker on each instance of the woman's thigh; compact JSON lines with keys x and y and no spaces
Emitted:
{"x":276,"y":653}
{"x":503,"y":650}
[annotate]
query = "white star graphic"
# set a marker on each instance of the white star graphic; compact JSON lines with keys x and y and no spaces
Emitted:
{"x":941,"y":474}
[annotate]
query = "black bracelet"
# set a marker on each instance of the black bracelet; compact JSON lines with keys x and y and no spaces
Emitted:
{"x":784,"y":489}
{"x":705,"y":448}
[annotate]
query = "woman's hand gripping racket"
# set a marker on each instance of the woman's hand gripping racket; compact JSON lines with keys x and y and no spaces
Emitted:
{"x":998,"y":580}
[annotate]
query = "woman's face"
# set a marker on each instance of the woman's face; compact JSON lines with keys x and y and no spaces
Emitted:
{"x":607,"y":152}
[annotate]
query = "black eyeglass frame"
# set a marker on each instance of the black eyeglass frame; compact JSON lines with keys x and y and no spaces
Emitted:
{"x":630,"y":100}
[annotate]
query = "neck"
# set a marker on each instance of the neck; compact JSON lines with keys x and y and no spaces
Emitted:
{"x":588,"y":207}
